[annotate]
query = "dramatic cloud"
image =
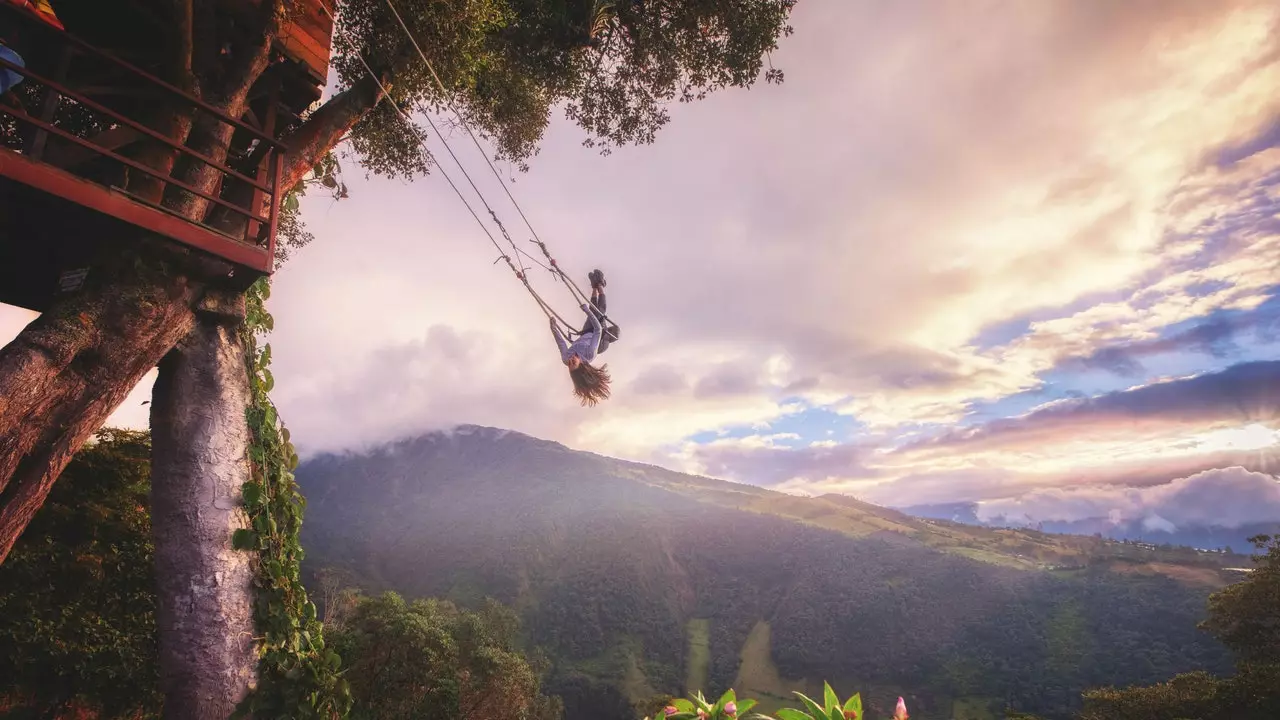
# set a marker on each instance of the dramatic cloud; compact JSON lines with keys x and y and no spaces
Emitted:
{"x":1247,"y":393}
{"x":951,"y":227}
{"x":1228,"y":497}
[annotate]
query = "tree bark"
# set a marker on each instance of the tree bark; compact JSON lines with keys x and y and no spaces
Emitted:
{"x":200,"y":441}
{"x":71,"y":367}
{"x":326,"y":126}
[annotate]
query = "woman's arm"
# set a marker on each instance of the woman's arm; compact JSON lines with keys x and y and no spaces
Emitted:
{"x":564,"y":346}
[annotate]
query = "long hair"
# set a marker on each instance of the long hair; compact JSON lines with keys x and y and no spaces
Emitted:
{"x":590,"y":383}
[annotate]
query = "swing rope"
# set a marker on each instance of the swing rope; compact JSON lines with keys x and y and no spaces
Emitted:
{"x":554,"y":269}
{"x":519,"y":272}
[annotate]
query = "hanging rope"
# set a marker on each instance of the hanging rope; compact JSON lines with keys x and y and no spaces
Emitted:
{"x":518,"y":271}
{"x":574,"y":290}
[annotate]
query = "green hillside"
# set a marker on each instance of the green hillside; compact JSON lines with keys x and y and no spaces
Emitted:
{"x":639,"y":581}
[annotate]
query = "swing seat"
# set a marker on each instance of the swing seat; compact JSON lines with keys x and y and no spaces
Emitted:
{"x":610,"y":336}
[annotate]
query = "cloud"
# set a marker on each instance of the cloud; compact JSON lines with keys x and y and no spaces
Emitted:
{"x":444,"y":378}
{"x":1215,"y":336}
{"x":760,"y":460}
{"x":1243,"y":393}
{"x":946,"y":208}
{"x":1226,"y":497}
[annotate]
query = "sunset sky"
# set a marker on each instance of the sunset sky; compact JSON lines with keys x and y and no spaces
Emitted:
{"x":1018,"y":252}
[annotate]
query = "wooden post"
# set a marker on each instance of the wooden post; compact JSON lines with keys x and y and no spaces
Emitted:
{"x":266,"y":169}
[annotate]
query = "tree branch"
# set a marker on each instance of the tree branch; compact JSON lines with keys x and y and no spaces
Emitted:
{"x":184,"y":19}
{"x":248,"y":61}
{"x":325,"y":128}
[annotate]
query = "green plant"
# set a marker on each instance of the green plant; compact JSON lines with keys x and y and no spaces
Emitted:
{"x":728,"y":707}
{"x":831,"y":709}
{"x":298,"y":676}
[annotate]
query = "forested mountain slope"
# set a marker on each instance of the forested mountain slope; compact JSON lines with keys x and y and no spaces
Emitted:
{"x":640,"y":581}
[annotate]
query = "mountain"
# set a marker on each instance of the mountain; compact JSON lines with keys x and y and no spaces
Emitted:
{"x":639,"y":581}
{"x":1208,"y":537}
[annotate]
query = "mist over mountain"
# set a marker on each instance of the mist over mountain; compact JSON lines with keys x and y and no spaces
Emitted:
{"x":1211,"y":509}
{"x":638,"y":581}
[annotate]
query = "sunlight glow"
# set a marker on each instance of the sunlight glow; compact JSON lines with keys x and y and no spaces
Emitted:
{"x":1255,"y":436}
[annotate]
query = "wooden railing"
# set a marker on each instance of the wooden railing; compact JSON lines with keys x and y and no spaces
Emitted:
{"x":90,"y":132}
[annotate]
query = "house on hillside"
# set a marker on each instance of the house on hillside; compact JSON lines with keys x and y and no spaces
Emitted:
{"x":79,"y":138}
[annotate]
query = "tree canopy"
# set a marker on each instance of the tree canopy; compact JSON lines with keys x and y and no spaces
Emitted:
{"x":613,"y":64}
{"x":429,"y":659}
{"x":77,"y":596}
{"x":1246,"y":618}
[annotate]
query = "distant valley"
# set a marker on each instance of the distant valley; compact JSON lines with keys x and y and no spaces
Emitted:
{"x":1196,"y":536}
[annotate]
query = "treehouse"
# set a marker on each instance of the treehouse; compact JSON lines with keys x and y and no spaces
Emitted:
{"x":89,"y":163}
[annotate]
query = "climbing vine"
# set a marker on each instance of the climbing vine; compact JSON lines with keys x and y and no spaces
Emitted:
{"x":297,"y":676}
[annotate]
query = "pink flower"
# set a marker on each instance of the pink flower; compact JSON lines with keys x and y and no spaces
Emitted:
{"x":900,"y":712}
{"x":731,"y":708}
{"x":670,"y":710}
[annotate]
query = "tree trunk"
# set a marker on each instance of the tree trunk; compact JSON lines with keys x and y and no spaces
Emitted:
{"x":71,"y":367}
{"x":200,"y":441}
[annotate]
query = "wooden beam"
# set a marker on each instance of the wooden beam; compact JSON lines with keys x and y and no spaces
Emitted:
{"x":69,"y":156}
{"x":121,"y":206}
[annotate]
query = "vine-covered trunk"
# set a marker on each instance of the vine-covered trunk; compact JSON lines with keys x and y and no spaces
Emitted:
{"x":200,"y":440}
{"x":71,"y":367}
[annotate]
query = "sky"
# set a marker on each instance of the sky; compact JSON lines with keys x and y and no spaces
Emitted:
{"x":1022,"y":254}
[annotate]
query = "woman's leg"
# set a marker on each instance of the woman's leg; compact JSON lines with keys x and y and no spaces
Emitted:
{"x":599,"y":304}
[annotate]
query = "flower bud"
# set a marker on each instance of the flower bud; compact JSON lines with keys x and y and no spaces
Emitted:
{"x":900,"y":712}
{"x":731,"y":708}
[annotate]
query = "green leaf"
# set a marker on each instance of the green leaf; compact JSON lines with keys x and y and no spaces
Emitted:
{"x":243,"y":540}
{"x":682,"y":705}
{"x":265,"y":358}
{"x":268,"y":381}
{"x":830,"y":698}
{"x":290,"y":203}
{"x":815,"y":710}
{"x":854,"y":705}
{"x":793,"y":714}
{"x":252,"y":493}
{"x":744,"y":706}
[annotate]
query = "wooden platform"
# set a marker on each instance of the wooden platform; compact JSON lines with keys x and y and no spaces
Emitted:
{"x":62,"y":177}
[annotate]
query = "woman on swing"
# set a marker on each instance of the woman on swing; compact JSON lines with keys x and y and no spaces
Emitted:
{"x":590,"y":383}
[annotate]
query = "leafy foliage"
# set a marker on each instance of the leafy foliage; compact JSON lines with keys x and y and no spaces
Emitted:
{"x":613,"y":64}
{"x":77,"y":605}
{"x":298,"y":676}
{"x":1246,"y":617}
{"x":729,"y":707}
{"x":431,"y":660}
